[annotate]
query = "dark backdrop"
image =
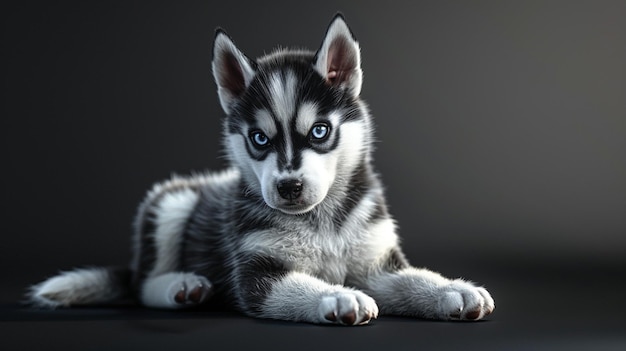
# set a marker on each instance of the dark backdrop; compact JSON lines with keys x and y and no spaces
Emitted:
{"x":501,"y":124}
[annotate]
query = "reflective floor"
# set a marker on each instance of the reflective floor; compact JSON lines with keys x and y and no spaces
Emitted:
{"x":540,"y":306}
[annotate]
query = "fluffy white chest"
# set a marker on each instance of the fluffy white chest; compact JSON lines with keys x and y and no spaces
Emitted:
{"x":327,"y":254}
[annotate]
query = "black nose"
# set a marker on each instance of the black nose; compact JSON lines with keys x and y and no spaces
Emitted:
{"x":289,"y":189}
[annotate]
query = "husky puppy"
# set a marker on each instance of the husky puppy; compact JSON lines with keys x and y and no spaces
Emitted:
{"x":297,"y":228}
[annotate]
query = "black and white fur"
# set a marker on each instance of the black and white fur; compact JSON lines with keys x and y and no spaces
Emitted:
{"x":297,"y":229}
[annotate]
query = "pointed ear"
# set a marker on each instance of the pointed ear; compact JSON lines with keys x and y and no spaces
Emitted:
{"x":232,"y":70}
{"x":339,"y":58}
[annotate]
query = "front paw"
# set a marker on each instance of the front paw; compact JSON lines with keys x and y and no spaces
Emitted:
{"x":349,"y":307}
{"x":461,"y":300}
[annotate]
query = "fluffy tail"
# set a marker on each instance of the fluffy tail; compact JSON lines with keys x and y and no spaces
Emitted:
{"x":90,"y":286}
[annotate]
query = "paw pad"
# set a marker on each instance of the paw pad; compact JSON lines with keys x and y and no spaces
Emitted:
{"x":348,"y":308}
{"x":472,"y":315}
{"x":464,"y":301}
{"x":197,"y":294}
{"x":349,"y":318}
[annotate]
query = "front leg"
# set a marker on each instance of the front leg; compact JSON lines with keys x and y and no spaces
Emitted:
{"x":401,"y":289}
{"x":268,"y":290}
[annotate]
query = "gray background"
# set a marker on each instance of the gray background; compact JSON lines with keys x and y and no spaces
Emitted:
{"x":502,"y":144}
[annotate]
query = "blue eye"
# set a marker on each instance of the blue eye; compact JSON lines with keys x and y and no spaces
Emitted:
{"x":259,"y":138}
{"x":320,"y":131}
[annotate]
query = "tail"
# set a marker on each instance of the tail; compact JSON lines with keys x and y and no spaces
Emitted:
{"x":89,"y":286}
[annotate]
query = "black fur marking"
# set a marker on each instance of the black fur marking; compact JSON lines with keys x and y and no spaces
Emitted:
{"x":280,"y":145}
{"x":257,"y":275}
{"x":250,"y":210}
{"x":353,"y":111}
{"x":395,"y":261}
{"x":303,"y":142}
{"x":255,"y":153}
{"x":380,"y":212}
{"x":199,"y":229}
{"x":207,"y":253}
{"x":203,"y":251}
{"x":325,"y":148}
{"x":357,"y":188}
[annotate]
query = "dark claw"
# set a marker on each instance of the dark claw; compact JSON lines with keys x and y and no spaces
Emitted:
{"x":473,"y":314}
{"x":366,"y":318}
{"x":349,"y":318}
{"x":195,"y":295}
{"x":181,"y":295}
{"x":331,"y":316}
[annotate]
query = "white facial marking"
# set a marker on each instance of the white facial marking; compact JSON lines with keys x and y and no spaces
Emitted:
{"x":307,"y":116}
{"x":351,"y":148}
{"x":282,"y":92}
{"x":266,"y":173}
{"x":266,"y":122}
{"x":318,"y":172}
{"x":335,"y":117}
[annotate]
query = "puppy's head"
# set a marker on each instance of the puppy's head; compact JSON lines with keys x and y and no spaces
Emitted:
{"x":295,"y":126}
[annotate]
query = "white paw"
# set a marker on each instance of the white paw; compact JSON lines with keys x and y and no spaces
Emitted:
{"x":462,"y":300}
{"x":190,"y":289}
{"x":175,"y":290}
{"x":350,"y":307}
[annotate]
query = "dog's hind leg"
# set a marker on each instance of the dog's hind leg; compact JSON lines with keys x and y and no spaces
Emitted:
{"x":160,"y":280}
